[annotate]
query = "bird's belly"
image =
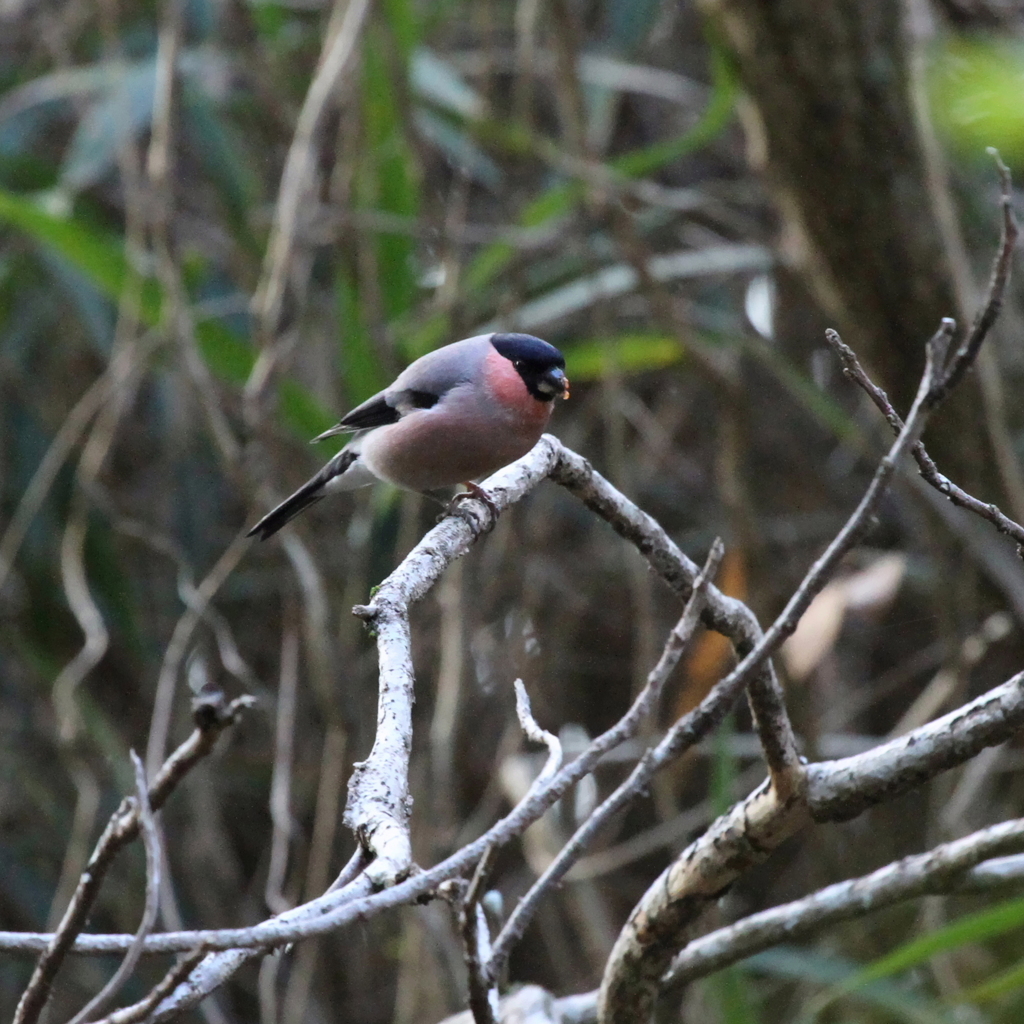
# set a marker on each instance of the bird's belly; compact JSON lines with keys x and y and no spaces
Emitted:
{"x":423,"y":452}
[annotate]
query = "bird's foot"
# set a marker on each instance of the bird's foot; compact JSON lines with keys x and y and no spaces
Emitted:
{"x":454,"y":507}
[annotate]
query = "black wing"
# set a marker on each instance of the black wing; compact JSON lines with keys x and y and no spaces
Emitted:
{"x":379,"y":411}
{"x":375,"y":412}
{"x":387,"y":407}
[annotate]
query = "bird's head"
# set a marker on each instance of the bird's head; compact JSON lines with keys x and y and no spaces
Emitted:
{"x":541,"y":366}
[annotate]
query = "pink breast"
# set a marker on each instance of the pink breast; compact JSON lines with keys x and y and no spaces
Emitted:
{"x":509,"y":391}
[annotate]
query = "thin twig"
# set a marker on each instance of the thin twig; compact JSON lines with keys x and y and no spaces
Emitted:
{"x":281,"y":779}
{"x":211,"y":720}
{"x":965,"y":355}
{"x":853,"y":370}
{"x":124,"y":364}
{"x":476,"y":935}
{"x":836,"y":791}
{"x":340,"y":50}
{"x":723,"y":614}
{"x":536,"y":734}
{"x":352,"y":869}
{"x":647,"y":702}
{"x":152,"y":844}
{"x":642,"y":951}
{"x":216,"y":968}
{"x":163,"y":699}
{"x":83,"y":821}
{"x":141,"y":1010}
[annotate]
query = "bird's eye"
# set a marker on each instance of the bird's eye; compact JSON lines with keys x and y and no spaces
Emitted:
{"x":517,"y":363}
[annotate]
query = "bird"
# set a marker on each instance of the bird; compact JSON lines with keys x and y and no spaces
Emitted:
{"x":452,"y":416}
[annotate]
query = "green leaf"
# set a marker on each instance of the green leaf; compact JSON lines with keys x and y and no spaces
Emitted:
{"x":269,"y":18}
{"x":459,"y":149}
{"x":973,"y":928}
{"x":976,"y":95}
{"x":561,"y":198}
{"x":227,"y":355}
{"x":732,"y":992}
{"x":117,"y":115}
{"x":970,"y":929}
{"x":401,"y":17}
{"x":631,"y":353}
{"x":435,"y":80}
{"x":228,"y":165}
{"x":387,"y":183}
{"x":99,"y":256}
{"x":363,"y":373}
{"x":1010,"y":980}
{"x":819,"y":968}
{"x":713,"y":121}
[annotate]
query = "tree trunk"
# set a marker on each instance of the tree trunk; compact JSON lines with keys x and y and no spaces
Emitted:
{"x":832,"y":124}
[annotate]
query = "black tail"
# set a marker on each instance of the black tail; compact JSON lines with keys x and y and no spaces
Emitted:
{"x":308,"y":494}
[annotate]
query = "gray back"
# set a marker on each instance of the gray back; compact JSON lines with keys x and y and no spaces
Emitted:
{"x":439,"y":371}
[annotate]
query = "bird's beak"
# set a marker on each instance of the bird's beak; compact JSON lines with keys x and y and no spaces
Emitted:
{"x":555,"y":382}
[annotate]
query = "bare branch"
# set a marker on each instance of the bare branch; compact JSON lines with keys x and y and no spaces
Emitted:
{"x":839,"y":790}
{"x":747,"y":834}
{"x":849,"y":899}
{"x":723,"y":614}
{"x":212,"y":718}
{"x":151,"y":841}
{"x":646,"y":703}
{"x":378,"y":796}
{"x":356,"y":863}
{"x":833,"y":793}
{"x":944,"y":869}
{"x":968,"y":350}
{"x":340,"y":49}
{"x":929,"y":471}
{"x":388,"y":614}
{"x":163,"y":700}
{"x":216,"y":968}
{"x":171,"y":980}
{"x":483,"y":996}
{"x":281,"y":779}
{"x":476,"y":934}
{"x":536,"y":734}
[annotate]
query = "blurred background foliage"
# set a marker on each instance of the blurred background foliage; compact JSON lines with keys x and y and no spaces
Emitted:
{"x":572,"y":168}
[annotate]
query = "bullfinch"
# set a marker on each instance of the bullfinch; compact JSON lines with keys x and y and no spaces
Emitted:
{"x":451,"y":417}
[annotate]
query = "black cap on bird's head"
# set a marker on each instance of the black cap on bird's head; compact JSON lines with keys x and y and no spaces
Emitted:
{"x":541,"y":365}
